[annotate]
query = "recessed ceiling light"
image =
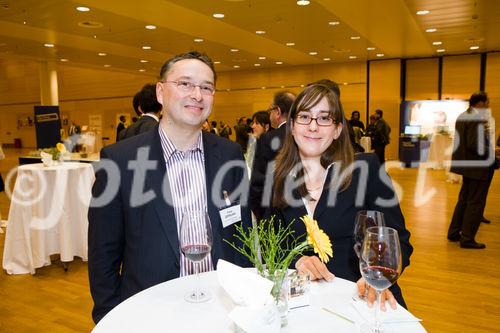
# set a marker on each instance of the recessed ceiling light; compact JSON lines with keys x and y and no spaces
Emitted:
{"x":334,"y":23}
{"x":198,"y":40}
{"x":107,"y":65}
{"x":303,"y":2}
{"x":256,"y":65}
{"x":474,"y":47}
{"x":95,"y":36}
{"x":380,"y":55}
{"x":146,"y":47}
{"x":327,"y":59}
{"x":355,"y":37}
{"x":82,"y":9}
{"x":48,"y":45}
{"x":431,"y":30}
{"x":102,"y":54}
{"x":236,"y":66}
{"x":144,"y":61}
{"x":370,"y":48}
{"x":423,"y":12}
{"x":262,"y":58}
{"x":440,"y":50}
{"x":437,"y":43}
{"x":279,"y":63}
{"x":63,"y":59}
{"x":142,"y":70}
{"x":352,"y":57}
{"x":216,"y":62}
{"x":290,"y":44}
{"x":313,"y":53}
{"x":234,"y":50}
{"x":150,"y":27}
{"x":260,"y":32}
{"x":218,"y":15}
{"x":24,"y":22}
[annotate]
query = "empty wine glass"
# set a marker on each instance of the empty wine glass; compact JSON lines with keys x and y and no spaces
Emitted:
{"x":196,"y":244}
{"x":380,"y":265}
{"x":364,"y":220}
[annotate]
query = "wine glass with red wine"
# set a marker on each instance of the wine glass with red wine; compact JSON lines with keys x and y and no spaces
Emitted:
{"x":196,"y":243}
{"x":380,"y":265}
{"x":364,"y":220}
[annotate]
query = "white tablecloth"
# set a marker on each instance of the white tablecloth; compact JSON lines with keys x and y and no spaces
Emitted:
{"x":48,"y":215}
{"x":162,"y":308}
{"x":440,"y":153}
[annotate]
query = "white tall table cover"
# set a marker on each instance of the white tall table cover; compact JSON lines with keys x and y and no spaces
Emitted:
{"x":162,"y":308}
{"x":48,"y":215}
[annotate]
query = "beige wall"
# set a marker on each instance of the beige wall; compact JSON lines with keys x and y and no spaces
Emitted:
{"x":84,"y":91}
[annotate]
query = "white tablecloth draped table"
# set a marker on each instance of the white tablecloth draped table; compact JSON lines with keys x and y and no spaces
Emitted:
{"x":162,"y":308}
{"x":48,"y":215}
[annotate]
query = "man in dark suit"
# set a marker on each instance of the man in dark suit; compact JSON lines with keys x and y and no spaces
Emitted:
{"x":473,"y":159}
{"x":145,"y":184}
{"x":151,"y":110}
{"x":120,"y":127}
{"x":267,"y":147}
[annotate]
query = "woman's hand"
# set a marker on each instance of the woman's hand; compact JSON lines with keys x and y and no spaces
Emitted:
{"x":368,"y":293}
{"x":314,"y":267}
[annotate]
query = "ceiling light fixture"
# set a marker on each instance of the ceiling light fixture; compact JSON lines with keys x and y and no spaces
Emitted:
{"x":313,"y":53}
{"x":260,"y":32}
{"x":290,"y":44}
{"x":198,"y":40}
{"x":234,"y":50}
{"x":48,"y":45}
{"x":236,"y":66}
{"x":303,"y":2}
{"x":355,"y":37}
{"x":144,"y":61}
{"x":102,"y":54}
{"x":431,"y":30}
{"x":216,"y":62}
{"x":218,"y":15}
{"x":279,"y":62}
{"x":334,"y":23}
{"x":146,"y":47}
{"x":82,"y":9}
{"x":107,"y":65}
{"x":256,"y":65}
{"x":150,"y":27}
{"x":370,"y":48}
{"x":63,"y":59}
{"x":262,"y":58}
{"x":423,"y":12}
{"x":380,"y":55}
{"x":440,"y":50}
{"x":142,"y":70}
{"x":327,"y":59}
{"x":437,"y":43}
{"x":352,"y":57}
{"x":474,"y":47}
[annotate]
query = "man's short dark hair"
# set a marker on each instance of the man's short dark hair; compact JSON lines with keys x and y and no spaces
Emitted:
{"x":379,"y":112}
{"x":147,"y":99}
{"x":477,"y":98}
{"x":136,"y":103}
{"x":262,"y":118}
{"x":188,"y":55}
{"x":122,"y":118}
{"x":284,"y":100}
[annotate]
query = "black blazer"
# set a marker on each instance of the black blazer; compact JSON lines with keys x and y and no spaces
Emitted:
{"x":467,"y":130}
{"x":267,"y":147}
{"x":338,"y":220}
{"x":134,"y":248}
{"x":144,"y":124}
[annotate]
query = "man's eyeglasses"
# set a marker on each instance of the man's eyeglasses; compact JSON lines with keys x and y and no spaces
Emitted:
{"x":322,"y":120}
{"x":188,"y":87}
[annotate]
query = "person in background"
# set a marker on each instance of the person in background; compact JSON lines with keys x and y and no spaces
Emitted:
{"x":214,"y":127}
{"x":260,"y":124}
{"x":206,"y":127}
{"x":225,"y":130}
{"x":133,"y":240}
{"x":355,"y":120}
{"x":151,"y":110}
{"x":136,"y":104}
{"x":316,"y":147}
{"x":120,"y":127}
{"x":381,"y":135}
{"x":242,"y":131}
{"x":267,"y":147}
{"x":472,"y":162}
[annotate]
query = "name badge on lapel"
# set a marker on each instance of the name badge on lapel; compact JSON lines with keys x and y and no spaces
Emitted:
{"x":231,"y":213}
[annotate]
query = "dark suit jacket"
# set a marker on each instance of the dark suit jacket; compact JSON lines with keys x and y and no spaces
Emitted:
{"x":119,"y":128}
{"x":338,"y":220}
{"x":144,"y":124}
{"x":467,"y":131}
{"x":134,"y":248}
{"x":267,"y":147}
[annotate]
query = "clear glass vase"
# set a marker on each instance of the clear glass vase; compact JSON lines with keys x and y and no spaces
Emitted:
{"x":280,"y":293}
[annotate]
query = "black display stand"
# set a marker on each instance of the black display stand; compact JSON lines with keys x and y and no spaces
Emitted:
{"x":48,"y":126}
{"x":413,"y":150}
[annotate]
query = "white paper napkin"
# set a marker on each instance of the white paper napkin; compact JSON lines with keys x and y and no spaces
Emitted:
{"x":255,"y":309}
{"x":389,"y":316}
{"x":46,"y":158}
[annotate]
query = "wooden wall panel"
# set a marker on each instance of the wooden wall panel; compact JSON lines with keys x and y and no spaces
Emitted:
{"x":422,"y":79}
{"x":460,"y":76}
{"x":385,"y":94}
{"x":19,"y":82}
{"x":493,"y":86}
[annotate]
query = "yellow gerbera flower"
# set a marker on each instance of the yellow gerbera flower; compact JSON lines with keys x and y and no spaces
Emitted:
{"x":318,"y":239}
{"x":61,"y":147}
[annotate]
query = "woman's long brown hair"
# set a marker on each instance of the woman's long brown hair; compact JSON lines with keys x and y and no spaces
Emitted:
{"x":288,"y":162}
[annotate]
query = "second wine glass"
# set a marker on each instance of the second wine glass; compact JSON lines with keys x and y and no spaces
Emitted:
{"x":364,"y":220}
{"x":196,"y":243}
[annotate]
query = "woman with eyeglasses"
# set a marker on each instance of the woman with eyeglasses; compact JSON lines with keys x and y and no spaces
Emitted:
{"x":317,"y":173}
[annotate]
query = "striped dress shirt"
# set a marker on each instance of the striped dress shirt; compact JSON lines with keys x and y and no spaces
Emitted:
{"x":186,"y":175}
